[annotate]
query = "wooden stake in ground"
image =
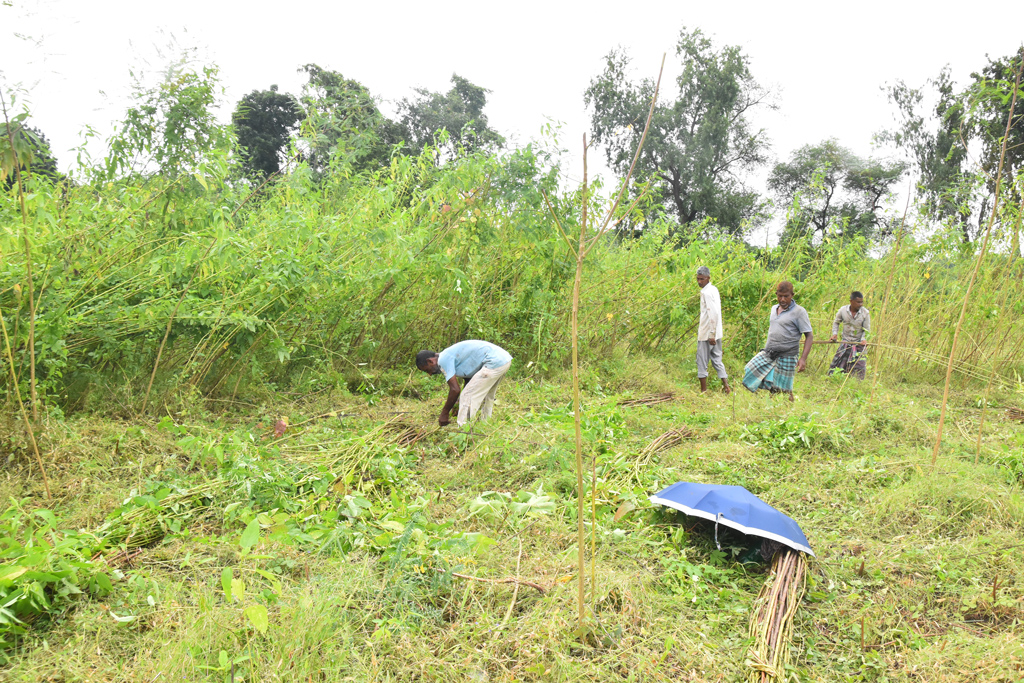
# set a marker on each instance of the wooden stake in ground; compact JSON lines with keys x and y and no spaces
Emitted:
{"x":977,"y":265}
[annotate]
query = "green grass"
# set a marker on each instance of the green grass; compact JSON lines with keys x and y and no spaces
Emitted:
{"x":901,"y":589}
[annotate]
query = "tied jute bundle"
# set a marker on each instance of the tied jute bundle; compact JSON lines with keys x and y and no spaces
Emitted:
{"x":771,"y":621}
{"x":1015,"y":414}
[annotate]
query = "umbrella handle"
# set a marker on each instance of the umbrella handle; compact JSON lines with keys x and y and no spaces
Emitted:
{"x":717,"y":544}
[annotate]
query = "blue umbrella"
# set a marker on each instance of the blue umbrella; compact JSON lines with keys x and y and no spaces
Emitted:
{"x":734,"y":507}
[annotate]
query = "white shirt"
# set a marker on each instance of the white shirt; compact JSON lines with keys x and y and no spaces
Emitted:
{"x":710,"y":314}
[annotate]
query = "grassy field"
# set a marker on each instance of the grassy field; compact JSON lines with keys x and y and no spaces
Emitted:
{"x":330,"y":553}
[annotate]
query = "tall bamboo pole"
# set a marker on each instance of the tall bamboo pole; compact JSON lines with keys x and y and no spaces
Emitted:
{"x":977,"y":265}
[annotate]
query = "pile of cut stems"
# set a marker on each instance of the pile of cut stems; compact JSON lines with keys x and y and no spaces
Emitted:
{"x":652,"y":399}
{"x":771,"y":622}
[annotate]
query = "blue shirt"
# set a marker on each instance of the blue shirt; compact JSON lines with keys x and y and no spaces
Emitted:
{"x":467,"y":357}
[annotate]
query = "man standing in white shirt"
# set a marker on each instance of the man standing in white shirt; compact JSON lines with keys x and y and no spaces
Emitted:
{"x":709,"y":332}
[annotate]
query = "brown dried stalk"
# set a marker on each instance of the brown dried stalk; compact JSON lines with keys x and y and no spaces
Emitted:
{"x":650,"y":400}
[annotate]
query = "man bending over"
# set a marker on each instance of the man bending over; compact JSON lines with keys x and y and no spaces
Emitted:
{"x":776,"y":366}
{"x":481,"y":363}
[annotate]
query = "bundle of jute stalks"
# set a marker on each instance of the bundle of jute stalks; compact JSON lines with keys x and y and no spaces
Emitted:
{"x":672,"y":437}
{"x":404,"y":434}
{"x":1015,"y":414}
{"x":771,"y":621}
{"x":650,"y":400}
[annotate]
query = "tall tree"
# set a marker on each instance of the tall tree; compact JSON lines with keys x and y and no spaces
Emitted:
{"x":934,"y":142}
{"x":990,"y":95}
{"x":460,"y":112}
{"x":833,"y":192}
{"x":699,"y":144}
{"x":342,"y":123}
{"x":263,"y":121}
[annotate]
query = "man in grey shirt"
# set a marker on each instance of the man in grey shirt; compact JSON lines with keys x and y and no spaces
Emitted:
{"x":776,"y":366}
{"x":856,"y":322}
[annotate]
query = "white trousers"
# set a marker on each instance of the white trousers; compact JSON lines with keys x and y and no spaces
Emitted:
{"x":478,"y":394}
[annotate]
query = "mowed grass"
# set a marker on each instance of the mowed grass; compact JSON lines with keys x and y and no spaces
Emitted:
{"x":917,"y":576}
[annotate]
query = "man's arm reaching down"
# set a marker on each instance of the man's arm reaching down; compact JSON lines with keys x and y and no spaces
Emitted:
{"x":453,"y":397}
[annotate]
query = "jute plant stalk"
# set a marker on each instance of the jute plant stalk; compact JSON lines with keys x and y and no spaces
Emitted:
{"x":888,"y":289}
{"x":580,"y":251}
{"x":21,"y":406}
{"x":28,"y":272}
{"x":977,"y":265}
{"x":184,"y":293}
{"x":995,"y":364}
{"x":771,"y":620}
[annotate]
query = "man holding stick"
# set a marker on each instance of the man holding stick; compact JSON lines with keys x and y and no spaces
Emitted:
{"x":856,"y":322}
{"x":775,"y":367}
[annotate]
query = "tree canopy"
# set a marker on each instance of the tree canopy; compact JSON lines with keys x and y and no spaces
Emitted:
{"x":264,"y":121}
{"x":460,"y":112}
{"x":700,"y":141}
{"x":342,"y":122}
{"x":833,"y":192}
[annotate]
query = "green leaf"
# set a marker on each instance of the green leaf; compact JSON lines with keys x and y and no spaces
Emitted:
{"x":103,"y":581}
{"x":251,"y":535}
{"x":237,"y":589}
{"x":225,"y":582}
{"x":11,"y":573}
{"x":257,"y":614}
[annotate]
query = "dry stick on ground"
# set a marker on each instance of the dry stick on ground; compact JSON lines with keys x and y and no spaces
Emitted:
{"x":581,"y":252}
{"x":28,"y":270}
{"x":650,"y":400}
{"x":21,"y":405}
{"x":511,"y":579}
{"x":515,"y":593}
{"x":184,"y":293}
{"x":977,"y":265}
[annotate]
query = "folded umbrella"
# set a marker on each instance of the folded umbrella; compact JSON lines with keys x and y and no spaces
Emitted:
{"x":736,"y":508}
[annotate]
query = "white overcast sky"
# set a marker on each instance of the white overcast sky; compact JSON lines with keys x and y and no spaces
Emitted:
{"x":827,"y":60}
